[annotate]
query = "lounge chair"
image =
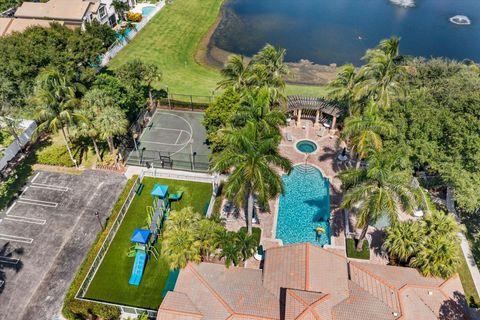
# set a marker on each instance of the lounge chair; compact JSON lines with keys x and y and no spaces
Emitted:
{"x":321,"y":132}
{"x":175,"y":196}
{"x":289,"y":137}
{"x":259,"y":255}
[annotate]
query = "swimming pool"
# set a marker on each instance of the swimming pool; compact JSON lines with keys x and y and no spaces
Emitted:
{"x":306,"y":146}
{"x":304,"y":207}
{"x":147,"y":10}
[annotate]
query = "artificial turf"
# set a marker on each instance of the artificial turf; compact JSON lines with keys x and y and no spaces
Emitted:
{"x":110,"y":283}
{"x":170,"y":41}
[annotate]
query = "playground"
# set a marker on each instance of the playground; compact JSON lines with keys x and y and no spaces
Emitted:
{"x":172,"y":140}
{"x":133,"y":271}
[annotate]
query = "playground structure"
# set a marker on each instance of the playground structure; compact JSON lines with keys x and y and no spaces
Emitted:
{"x":145,"y":238}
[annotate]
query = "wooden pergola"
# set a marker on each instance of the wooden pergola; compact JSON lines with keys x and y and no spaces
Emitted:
{"x":313,"y":108}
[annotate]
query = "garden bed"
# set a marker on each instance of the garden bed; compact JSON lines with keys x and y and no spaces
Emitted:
{"x":353,"y":253}
{"x":110,"y":283}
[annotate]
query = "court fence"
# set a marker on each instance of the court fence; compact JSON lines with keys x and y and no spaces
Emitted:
{"x":186,"y":101}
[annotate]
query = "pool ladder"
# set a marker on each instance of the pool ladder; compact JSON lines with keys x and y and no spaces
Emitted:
{"x":306,"y":168}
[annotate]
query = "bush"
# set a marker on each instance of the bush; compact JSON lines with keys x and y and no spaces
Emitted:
{"x":80,"y":309}
{"x":57,"y":155}
{"x":134,"y":16}
{"x":256,"y":233}
{"x":352,"y":250}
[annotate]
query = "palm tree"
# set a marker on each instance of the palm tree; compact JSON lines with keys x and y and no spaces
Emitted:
{"x":205,"y":236}
{"x":253,"y":158}
{"x":381,"y":75}
{"x":441,"y":224}
{"x":366,"y":130}
{"x":93,"y":104}
{"x":256,"y":106}
{"x":246,"y":245}
{"x":342,"y":88}
{"x":402,"y":240}
{"x":235,"y":73}
{"x":120,"y":7}
{"x":151,"y":73}
{"x":381,"y":189}
{"x":55,"y":99}
{"x":230,"y":251}
{"x":437,"y":257}
{"x":111,"y":122}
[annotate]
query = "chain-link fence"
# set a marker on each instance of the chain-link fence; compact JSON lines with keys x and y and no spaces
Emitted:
{"x":184,"y":160}
{"x":186,"y":101}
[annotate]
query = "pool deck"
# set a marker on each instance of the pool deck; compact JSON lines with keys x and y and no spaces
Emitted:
{"x":325,"y":159}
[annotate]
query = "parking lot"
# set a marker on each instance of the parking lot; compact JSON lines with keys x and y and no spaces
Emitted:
{"x":51,"y":226}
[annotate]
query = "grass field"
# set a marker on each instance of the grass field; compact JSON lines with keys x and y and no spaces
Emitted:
{"x":110,"y":283}
{"x":171,"y":39}
{"x":466,"y":278}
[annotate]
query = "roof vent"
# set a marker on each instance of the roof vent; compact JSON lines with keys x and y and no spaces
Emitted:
{"x":430,"y":292}
{"x":395,"y":314}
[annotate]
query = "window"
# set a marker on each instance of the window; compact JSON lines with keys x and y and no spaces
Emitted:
{"x":102,"y":12}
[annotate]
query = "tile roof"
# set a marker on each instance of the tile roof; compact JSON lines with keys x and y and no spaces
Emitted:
{"x":10,"y":25}
{"x":71,"y":10}
{"x":303,"y":281}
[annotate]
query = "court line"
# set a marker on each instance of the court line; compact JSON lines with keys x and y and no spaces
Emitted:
{"x":26,"y":220}
{"x":164,"y":128}
{"x":8,"y":237}
{"x":178,"y":137}
{"x":36,"y":176}
{"x":38,"y":204}
{"x":9,"y":260}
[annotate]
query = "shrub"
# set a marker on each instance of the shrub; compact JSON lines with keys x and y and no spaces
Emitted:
{"x":353,"y":253}
{"x":80,"y":309}
{"x":134,"y":16}
{"x":57,"y":155}
{"x":256,"y":233}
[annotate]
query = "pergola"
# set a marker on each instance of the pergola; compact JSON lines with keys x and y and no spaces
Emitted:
{"x":313,"y":108}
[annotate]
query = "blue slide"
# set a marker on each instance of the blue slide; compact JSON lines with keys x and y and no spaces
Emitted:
{"x":138,"y":266}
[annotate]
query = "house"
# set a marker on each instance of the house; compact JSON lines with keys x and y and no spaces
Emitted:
{"x":9,"y":25}
{"x":304,"y":281}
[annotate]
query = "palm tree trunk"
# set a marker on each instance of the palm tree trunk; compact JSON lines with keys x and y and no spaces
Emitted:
{"x":249,"y":213}
{"x":11,"y":129}
{"x":362,"y":238}
{"x":110,"y":145}
{"x":150,"y":95}
{"x":97,"y":152}
{"x":68,"y":147}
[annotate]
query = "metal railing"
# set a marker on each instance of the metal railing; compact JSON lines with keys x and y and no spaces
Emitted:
{"x":119,"y":44}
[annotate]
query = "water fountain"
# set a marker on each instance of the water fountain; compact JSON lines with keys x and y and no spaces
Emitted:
{"x":460,"y":20}
{"x":404,"y":3}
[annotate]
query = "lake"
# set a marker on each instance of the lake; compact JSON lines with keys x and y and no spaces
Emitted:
{"x":339,"y":31}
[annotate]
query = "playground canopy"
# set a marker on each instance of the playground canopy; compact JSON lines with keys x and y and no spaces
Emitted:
{"x":160,"y":191}
{"x":140,"y":236}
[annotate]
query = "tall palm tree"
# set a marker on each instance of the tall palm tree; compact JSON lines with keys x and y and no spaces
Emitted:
{"x":379,"y":190}
{"x":342,"y":88}
{"x":151,"y":73}
{"x":437,"y":257}
{"x":235,"y":73}
{"x":381,"y":75}
{"x":365,"y":131}
{"x":55,"y":99}
{"x":253,"y":157}
{"x":402,"y":240}
{"x":111,"y":122}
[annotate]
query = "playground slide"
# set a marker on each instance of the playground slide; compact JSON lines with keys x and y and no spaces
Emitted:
{"x":138,"y":266}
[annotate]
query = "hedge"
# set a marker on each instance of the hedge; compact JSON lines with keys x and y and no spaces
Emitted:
{"x":57,"y":155}
{"x":79,"y":309}
{"x":353,"y":253}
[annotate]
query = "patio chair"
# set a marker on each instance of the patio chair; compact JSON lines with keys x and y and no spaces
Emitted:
{"x":260,"y":254}
{"x":288,"y":136}
{"x":175,"y":196}
{"x":321,"y":132}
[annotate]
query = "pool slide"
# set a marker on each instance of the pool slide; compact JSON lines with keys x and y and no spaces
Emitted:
{"x":138,"y":266}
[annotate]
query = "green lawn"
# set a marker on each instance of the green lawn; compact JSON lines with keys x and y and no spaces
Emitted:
{"x":110,"y":283}
{"x":353,"y":253}
{"x":171,"y":39}
{"x":466,"y":279}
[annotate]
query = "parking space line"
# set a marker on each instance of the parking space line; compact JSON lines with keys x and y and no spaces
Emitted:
{"x":35,"y":200}
{"x":50,"y":186}
{"x":9,"y":260}
{"x":36,"y":203}
{"x":11,"y":207}
{"x":36,"y":176}
{"x":8,"y":237}
{"x":26,"y":219}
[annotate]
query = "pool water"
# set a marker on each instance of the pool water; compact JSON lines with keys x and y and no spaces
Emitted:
{"x":304,"y":207}
{"x":306,"y":146}
{"x":146,"y":11}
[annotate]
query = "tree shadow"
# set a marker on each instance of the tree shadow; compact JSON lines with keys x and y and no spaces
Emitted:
{"x":8,"y":260}
{"x":454,"y":308}
{"x":329,"y":153}
{"x":376,"y":243}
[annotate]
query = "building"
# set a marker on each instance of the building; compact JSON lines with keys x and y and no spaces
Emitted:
{"x":304,"y":281}
{"x":9,"y":25}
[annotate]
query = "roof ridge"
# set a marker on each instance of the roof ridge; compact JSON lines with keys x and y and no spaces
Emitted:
{"x":360,"y":266}
{"x":215,"y":293}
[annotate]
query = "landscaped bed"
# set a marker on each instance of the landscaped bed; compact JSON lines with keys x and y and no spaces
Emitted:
{"x":110,"y":283}
{"x":352,"y":250}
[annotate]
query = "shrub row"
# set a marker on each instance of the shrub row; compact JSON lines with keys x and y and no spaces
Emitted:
{"x":80,"y":309}
{"x":57,"y":155}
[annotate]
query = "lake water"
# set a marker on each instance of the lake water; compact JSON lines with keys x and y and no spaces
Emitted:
{"x":339,"y":31}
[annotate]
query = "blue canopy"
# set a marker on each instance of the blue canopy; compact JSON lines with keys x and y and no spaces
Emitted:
{"x":159,"y":191}
{"x":140,"y":236}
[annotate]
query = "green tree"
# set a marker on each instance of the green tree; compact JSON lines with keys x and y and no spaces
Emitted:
{"x":365,"y":131}
{"x":120,"y":7}
{"x":151,"y":73}
{"x":235,"y":73}
{"x":205,"y":236}
{"x":111,"y":122}
{"x":230,"y":252}
{"x":55,"y":99}
{"x":378,"y":190}
{"x":402,"y":240}
{"x":101,"y":31}
{"x":342,"y":88}
{"x":246,"y":245}
{"x":253,"y":158}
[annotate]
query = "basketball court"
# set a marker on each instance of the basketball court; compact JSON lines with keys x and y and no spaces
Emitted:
{"x":172,"y":140}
